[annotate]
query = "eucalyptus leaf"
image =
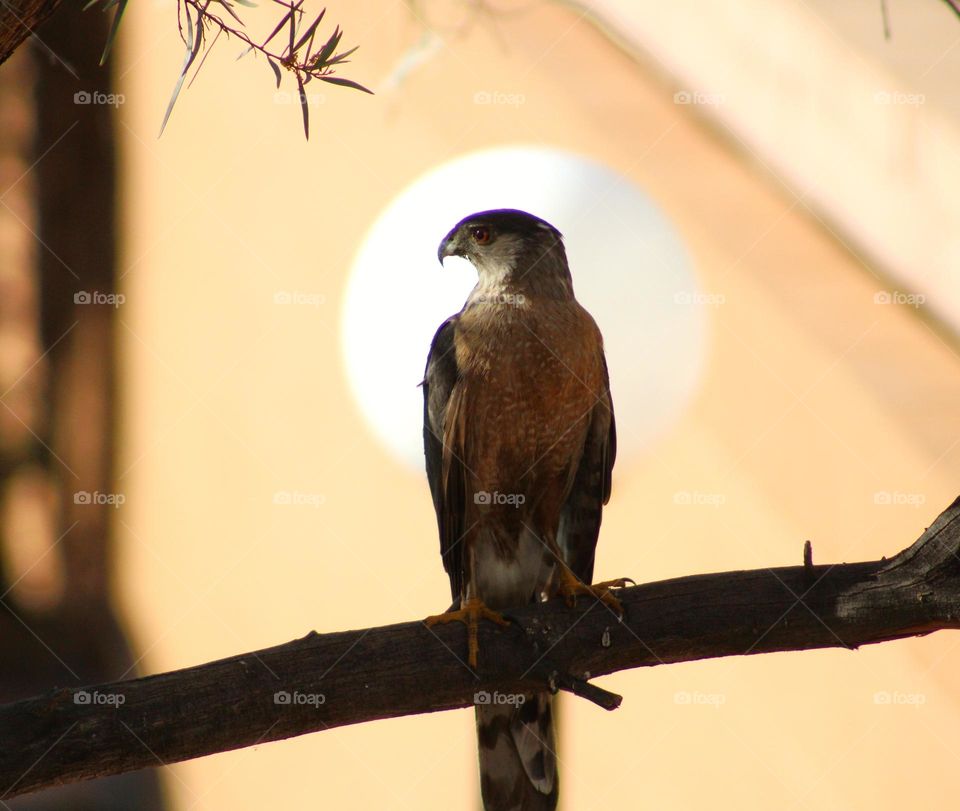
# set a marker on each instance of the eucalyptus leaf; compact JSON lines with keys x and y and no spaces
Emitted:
{"x":341,"y":59}
{"x":276,"y":30}
{"x":310,"y":31}
{"x":114,"y":26}
{"x":329,"y":47}
{"x":345,"y":83}
{"x":305,"y":109}
{"x":276,"y":70}
{"x":193,"y":48}
{"x":229,"y":7}
{"x":293,"y":23}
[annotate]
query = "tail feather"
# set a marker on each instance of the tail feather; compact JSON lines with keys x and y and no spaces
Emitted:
{"x":518,"y":762}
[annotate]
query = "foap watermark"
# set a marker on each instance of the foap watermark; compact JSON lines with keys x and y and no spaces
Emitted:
{"x":696,"y":97}
{"x":496,"y":698}
{"x":96,"y":97}
{"x":287,"y":297}
{"x":114,"y":500}
{"x":283,"y":97}
{"x":899,"y":97}
{"x":914,"y":300}
{"x":96,"y":297}
{"x":897,"y":499}
{"x":696,"y":698}
{"x":497,"y":498}
{"x":509,"y":299}
{"x":691,"y":297}
{"x":900,"y":699}
{"x":297,"y":499}
{"x":298,"y":699}
{"x":497,"y":98}
{"x":698,"y":499}
{"x":95,"y":698}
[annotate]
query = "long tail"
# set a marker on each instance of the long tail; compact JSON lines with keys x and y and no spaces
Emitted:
{"x":518,"y":762}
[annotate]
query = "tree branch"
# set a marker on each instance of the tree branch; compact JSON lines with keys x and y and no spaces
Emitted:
{"x":19,"y":19}
{"x":329,"y":680}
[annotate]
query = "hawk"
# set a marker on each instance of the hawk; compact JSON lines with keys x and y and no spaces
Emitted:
{"x":520,"y":441}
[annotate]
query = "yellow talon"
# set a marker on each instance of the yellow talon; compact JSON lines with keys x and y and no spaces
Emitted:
{"x":470,"y":613}
{"x":570,"y":586}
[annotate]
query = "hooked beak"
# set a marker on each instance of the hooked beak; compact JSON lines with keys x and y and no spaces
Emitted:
{"x":450,"y":246}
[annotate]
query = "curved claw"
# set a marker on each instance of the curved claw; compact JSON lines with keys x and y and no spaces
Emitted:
{"x":619,"y":583}
{"x":570,"y":586}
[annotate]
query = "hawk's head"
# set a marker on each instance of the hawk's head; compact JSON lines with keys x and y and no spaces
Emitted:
{"x":511,"y":248}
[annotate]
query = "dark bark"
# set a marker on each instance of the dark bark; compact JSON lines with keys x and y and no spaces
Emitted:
{"x":19,"y":19}
{"x":405,"y":669}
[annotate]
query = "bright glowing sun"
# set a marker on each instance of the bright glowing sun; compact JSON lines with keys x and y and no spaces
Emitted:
{"x":630,"y":270}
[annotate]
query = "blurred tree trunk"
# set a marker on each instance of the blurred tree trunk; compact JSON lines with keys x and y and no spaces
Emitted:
{"x":58,"y":404}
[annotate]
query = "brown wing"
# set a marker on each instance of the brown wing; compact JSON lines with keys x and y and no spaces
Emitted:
{"x":444,"y":469}
{"x":580,"y":518}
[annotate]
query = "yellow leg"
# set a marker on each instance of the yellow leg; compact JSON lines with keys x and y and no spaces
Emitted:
{"x":470,"y":613}
{"x":570,"y":586}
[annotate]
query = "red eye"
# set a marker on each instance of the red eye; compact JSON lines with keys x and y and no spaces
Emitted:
{"x":481,"y":235}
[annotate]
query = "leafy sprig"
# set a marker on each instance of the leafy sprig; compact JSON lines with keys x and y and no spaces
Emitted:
{"x":301,"y":54}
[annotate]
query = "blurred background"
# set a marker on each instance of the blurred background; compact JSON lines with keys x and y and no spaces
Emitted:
{"x":210,"y":344}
